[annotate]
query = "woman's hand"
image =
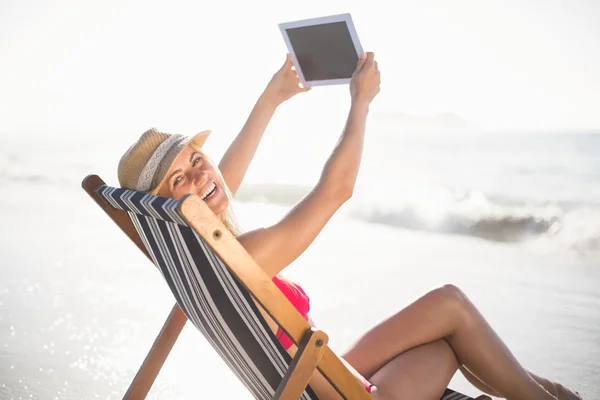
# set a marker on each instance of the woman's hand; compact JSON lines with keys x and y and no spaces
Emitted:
{"x":366,"y":79}
{"x":285,"y":83}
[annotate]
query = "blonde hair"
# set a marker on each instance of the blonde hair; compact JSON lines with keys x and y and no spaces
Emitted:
{"x":228,"y":216}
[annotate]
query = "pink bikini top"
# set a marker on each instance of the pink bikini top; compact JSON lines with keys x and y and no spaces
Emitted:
{"x":300,"y":300}
{"x":295,"y":295}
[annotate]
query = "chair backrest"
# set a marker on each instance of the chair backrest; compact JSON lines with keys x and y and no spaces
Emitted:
{"x":211,"y":297}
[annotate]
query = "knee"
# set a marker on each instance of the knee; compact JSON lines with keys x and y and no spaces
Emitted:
{"x":454,"y":298}
{"x":453,"y":292}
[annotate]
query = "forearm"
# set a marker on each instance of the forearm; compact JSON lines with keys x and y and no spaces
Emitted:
{"x":237,"y":158}
{"x":341,"y":169}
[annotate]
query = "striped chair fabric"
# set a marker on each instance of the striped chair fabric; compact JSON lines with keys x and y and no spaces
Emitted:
{"x":209,"y":295}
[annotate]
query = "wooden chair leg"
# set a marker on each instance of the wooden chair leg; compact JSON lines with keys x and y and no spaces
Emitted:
{"x":141,"y":384}
{"x":302,"y":366}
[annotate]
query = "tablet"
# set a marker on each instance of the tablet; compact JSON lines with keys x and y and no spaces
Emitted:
{"x":324,"y":50}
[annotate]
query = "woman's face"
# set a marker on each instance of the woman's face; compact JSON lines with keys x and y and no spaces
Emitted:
{"x":193,"y":173}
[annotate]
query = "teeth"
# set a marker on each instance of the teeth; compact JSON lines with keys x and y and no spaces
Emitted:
{"x":210,"y":189}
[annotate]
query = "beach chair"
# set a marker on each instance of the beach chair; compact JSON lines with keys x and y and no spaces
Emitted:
{"x":213,"y":280}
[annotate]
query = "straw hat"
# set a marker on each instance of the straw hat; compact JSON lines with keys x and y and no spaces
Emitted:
{"x":145,"y":164}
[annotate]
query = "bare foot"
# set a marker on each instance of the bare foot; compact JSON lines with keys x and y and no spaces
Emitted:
{"x":563,"y":393}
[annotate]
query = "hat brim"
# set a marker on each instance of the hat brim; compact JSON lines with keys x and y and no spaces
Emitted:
{"x":195,"y":142}
{"x":198,"y":140}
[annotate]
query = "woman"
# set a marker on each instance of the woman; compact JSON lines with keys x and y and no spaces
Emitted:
{"x":412,"y":354}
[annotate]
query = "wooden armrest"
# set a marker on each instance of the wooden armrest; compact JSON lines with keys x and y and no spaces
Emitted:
{"x":303,"y":365}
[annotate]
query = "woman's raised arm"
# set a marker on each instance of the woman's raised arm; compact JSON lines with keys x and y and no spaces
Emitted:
{"x":275,"y":247}
{"x":239,"y":155}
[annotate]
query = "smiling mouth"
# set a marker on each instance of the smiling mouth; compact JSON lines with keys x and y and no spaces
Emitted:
{"x":209,"y":192}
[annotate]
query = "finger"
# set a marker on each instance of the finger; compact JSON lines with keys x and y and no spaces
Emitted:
{"x":302,"y":87}
{"x":288,"y":61}
{"x":376,"y":66}
{"x":369,"y":60}
{"x":361,"y":61}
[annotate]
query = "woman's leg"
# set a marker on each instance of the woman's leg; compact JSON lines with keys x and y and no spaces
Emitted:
{"x":422,"y":372}
{"x":476,"y":382}
{"x":446,"y":313}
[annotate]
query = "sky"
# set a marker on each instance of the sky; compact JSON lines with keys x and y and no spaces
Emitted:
{"x":72,"y":68}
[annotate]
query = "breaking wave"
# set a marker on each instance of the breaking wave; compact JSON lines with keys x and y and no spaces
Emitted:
{"x":573,"y":226}
{"x":468,"y":214}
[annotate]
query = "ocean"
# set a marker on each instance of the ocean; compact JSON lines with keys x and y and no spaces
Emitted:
{"x":511,"y":218}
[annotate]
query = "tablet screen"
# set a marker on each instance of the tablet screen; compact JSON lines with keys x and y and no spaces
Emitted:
{"x":324,"y":51}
